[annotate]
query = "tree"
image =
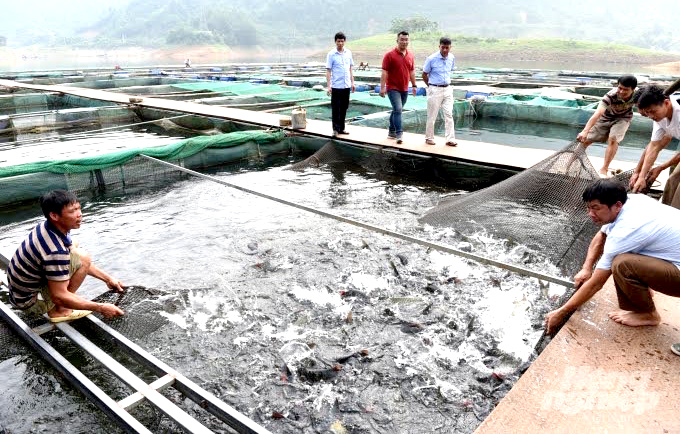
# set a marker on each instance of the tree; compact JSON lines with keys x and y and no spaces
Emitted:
{"x":413,"y":24}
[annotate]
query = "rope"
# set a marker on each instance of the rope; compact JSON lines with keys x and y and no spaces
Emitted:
{"x":425,"y":243}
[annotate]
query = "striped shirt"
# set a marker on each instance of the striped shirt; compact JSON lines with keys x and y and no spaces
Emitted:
{"x":44,"y":255}
{"x":616,"y":108}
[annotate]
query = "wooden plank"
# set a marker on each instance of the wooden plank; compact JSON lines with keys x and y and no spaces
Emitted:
{"x":494,"y":155}
{"x":104,"y":402}
{"x":598,"y":376}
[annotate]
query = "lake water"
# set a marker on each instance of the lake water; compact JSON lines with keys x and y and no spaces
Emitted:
{"x":259,"y":303}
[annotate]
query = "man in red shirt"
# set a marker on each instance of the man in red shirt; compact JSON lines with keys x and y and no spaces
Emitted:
{"x":397,"y":70}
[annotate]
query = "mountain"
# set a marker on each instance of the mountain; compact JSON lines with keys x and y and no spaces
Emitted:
{"x":312,"y":23}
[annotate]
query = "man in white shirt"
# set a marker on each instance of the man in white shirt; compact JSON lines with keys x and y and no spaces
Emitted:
{"x":437,"y":77}
{"x":340,"y":80}
{"x":665,"y":112}
{"x":639,"y":244}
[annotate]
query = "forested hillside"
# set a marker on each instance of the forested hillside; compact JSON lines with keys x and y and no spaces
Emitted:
{"x":311,"y":23}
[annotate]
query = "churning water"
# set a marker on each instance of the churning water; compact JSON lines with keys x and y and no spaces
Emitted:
{"x":300,"y":322}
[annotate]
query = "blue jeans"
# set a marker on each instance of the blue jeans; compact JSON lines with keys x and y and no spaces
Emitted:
{"x":397,"y":99}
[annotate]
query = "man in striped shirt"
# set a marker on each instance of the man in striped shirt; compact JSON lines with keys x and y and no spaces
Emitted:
{"x":47,"y":268}
{"x":611,"y":120}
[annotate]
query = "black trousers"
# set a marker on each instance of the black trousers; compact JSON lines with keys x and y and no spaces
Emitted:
{"x":339,"y":104}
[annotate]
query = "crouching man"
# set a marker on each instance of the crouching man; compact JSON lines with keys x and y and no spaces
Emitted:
{"x":639,"y":244}
{"x":47,"y":268}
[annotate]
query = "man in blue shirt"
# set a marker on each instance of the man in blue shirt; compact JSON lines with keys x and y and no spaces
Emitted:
{"x":638,"y":244}
{"x":436,"y":75}
{"x":340,"y":81}
{"x":47,"y":268}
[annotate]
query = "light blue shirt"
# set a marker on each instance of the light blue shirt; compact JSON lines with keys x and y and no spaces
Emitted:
{"x":643,"y":226}
{"x":439,"y":68}
{"x":339,"y":64}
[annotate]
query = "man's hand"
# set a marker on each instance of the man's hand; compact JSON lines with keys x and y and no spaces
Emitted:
{"x":554,"y":319}
{"x":382,"y":92}
{"x":654,"y":173}
{"x":633,"y":180}
{"x":115,"y":285}
{"x":354,"y":88}
{"x":581,"y":277}
{"x":110,"y":310}
{"x":414,"y":90}
{"x":329,"y":91}
{"x":581,"y":137}
{"x":640,"y":184}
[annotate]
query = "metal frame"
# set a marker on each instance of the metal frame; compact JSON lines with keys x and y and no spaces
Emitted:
{"x":118,"y":411}
{"x":105,"y":403}
{"x":200,"y":396}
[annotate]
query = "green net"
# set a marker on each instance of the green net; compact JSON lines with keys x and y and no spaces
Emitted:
{"x":544,"y":109}
{"x":131,"y":171}
{"x":23,"y":103}
{"x":182,"y":149}
{"x":413,"y":117}
{"x":543,"y":101}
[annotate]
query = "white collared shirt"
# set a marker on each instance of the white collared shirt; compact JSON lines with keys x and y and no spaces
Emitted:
{"x":668,"y":128}
{"x":643,"y":226}
{"x":339,"y":62}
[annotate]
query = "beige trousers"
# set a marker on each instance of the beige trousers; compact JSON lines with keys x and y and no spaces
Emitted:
{"x":440,"y":98}
{"x":671,"y":196}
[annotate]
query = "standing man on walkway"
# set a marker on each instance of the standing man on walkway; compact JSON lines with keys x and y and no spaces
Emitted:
{"x":397,"y":70}
{"x":437,"y":77}
{"x":639,"y":244}
{"x":340,"y":80}
{"x":611,"y":119}
{"x":665,"y":112}
{"x":47,"y":268}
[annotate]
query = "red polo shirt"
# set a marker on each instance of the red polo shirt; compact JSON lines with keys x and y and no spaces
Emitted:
{"x":398,"y":69}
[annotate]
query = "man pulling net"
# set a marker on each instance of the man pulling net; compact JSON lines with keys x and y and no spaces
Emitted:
{"x":638,"y":244}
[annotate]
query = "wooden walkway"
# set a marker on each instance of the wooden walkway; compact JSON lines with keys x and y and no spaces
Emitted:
{"x":489,"y":154}
{"x":597,"y":376}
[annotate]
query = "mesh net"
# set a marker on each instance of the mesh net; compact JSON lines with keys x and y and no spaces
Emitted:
{"x":549,"y":110}
{"x":328,"y":154}
{"x":540,"y":207}
{"x":128,"y":169}
{"x":382,"y":162}
{"x":141,"y":308}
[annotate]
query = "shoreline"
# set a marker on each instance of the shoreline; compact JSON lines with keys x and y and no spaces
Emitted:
{"x":38,"y":57}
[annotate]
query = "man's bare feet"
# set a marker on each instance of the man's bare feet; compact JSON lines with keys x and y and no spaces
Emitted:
{"x":635,"y":319}
{"x":59,"y":311}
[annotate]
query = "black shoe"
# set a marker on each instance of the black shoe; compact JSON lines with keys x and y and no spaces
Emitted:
{"x":335,"y":133}
{"x":399,"y":141}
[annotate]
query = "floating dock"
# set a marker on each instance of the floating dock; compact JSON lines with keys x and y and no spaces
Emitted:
{"x":595,"y":375}
{"x":598,"y":376}
{"x":488,"y":154}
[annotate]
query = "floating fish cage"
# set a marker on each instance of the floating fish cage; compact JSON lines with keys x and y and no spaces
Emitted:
{"x":301,"y":322}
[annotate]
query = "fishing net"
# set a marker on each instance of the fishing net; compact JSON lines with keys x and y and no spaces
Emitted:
{"x":128,"y":169}
{"x":541,"y":208}
{"x":142,"y":317}
{"x":372,"y":160}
